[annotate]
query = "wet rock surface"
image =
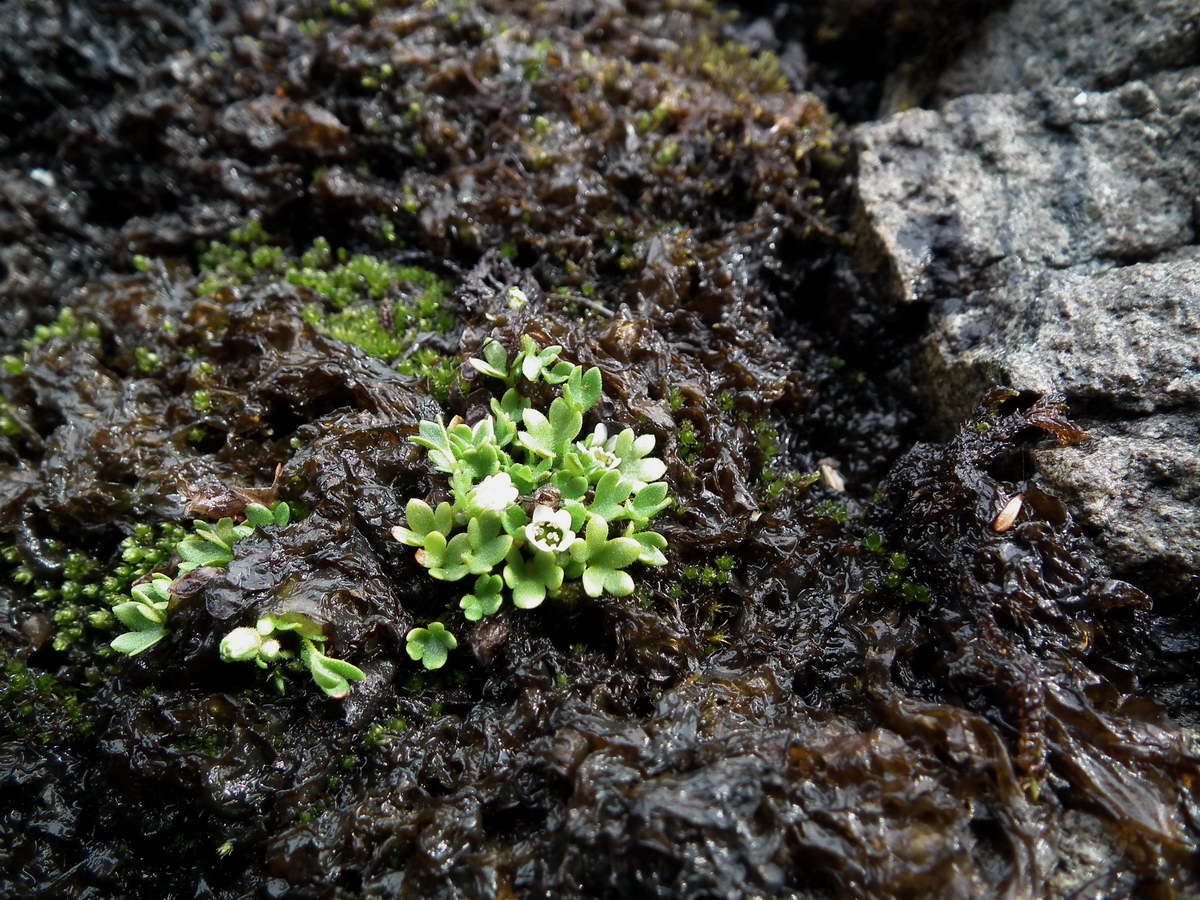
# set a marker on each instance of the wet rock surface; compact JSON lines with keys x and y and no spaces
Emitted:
{"x":876,"y":664}
{"x":1048,"y":218}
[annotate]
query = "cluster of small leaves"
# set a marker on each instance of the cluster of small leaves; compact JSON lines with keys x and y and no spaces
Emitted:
{"x":897,"y":567}
{"x":79,"y":597}
{"x":37,"y":704}
{"x":375,"y":305}
{"x":263,"y":646}
{"x":146,"y":611}
{"x":533,"y":506}
{"x":66,"y":326}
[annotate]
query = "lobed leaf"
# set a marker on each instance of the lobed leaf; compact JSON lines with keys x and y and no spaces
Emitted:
{"x":532,"y":579}
{"x":582,"y":388}
{"x":610,"y":495}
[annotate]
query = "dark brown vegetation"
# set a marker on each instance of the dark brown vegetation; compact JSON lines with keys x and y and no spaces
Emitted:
{"x":277,"y":230}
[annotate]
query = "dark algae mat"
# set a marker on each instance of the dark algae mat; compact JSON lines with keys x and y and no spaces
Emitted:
{"x":459,"y":449}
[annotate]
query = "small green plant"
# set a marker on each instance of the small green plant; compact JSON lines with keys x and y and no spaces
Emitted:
{"x":146,"y":610}
{"x":263,"y":646}
{"x":145,"y":615}
{"x":533,"y":506}
{"x":212,"y":545}
{"x":430,"y":645}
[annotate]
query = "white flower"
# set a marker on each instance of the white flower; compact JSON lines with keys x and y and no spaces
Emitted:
{"x":550,"y":529}
{"x":602,"y":459}
{"x":593,"y":447}
{"x":596,"y":439}
{"x":496,"y":492}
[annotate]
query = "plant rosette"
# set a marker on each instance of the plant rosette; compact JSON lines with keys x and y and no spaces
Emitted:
{"x":533,"y":505}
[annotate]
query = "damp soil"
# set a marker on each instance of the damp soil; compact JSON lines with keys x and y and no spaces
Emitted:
{"x":238,"y":237}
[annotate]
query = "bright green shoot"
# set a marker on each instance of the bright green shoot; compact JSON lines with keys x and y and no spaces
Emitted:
{"x":535,"y":502}
{"x":263,"y":645}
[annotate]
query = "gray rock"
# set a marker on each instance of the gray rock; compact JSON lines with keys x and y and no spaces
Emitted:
{"x":1137,"y":484}
{"x":1053,"y":234}
{"x":1089,"y":44}
{"x":1038,"y":180}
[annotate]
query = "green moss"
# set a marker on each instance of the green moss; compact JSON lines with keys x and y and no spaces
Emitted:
{"x":8,"y":425}
{"x":438,"y":371}
{"x":37,"y":704}
{"x":79,"y":596}
{"x":767,"y":436}
{"x":732,"y":67}
{"x":201,"y":401}
{"x":363,"y":278}
{"x":360,"y":299}
{"x":687,"y":441}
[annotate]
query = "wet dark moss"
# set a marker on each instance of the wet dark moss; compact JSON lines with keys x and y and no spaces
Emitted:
{"x":275,"y":242}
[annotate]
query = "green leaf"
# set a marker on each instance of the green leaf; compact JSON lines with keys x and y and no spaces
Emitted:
{"x":530,"y":580}
{"x":453,"y":562}
{"x":199,"y":553}
{"x":632,"y":450}
{"x":224,"y":533}
{"x":139,"y":616}
{"x":430,"y":645}
{"x":528,"y":479}
{"x":331,"y":675}
{"x":481,"y":462}
{"x":534,"y":362}
{"x":578,"y":513}
{"x":134,"y":642}
{"x":649,"y":501}
{"x":604,"y":559}
{"x":422,"y":520}
{"x":155,"y":592}
{"x":481,"y":366}
{"x":582,"y":388}
{"x":494,"y":363}
{"x":548,"y":437}
{"x":435,"y":550}
{"x":512,"y":404}
{"x":258,"y":515}
{"x":653,"y":544}
{"x":611,"y":493}
{"x":419,"y":516}
{"x":485,"y":600}
{"x":282,"y":514}
{"x":504,"y":426}
{"x":597,"y":580}
{"x":558,"y":373}
{"x":489,"y":543}
{"x":434,"y":438}
{"x":570,"y":486}
{"x":496,"y":356}
{"x":515,"y":520}
{"x":297,"y":622}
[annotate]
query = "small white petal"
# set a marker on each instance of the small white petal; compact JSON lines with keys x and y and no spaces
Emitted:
{"x":240,"y":645}
{"x":496,"y":492}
